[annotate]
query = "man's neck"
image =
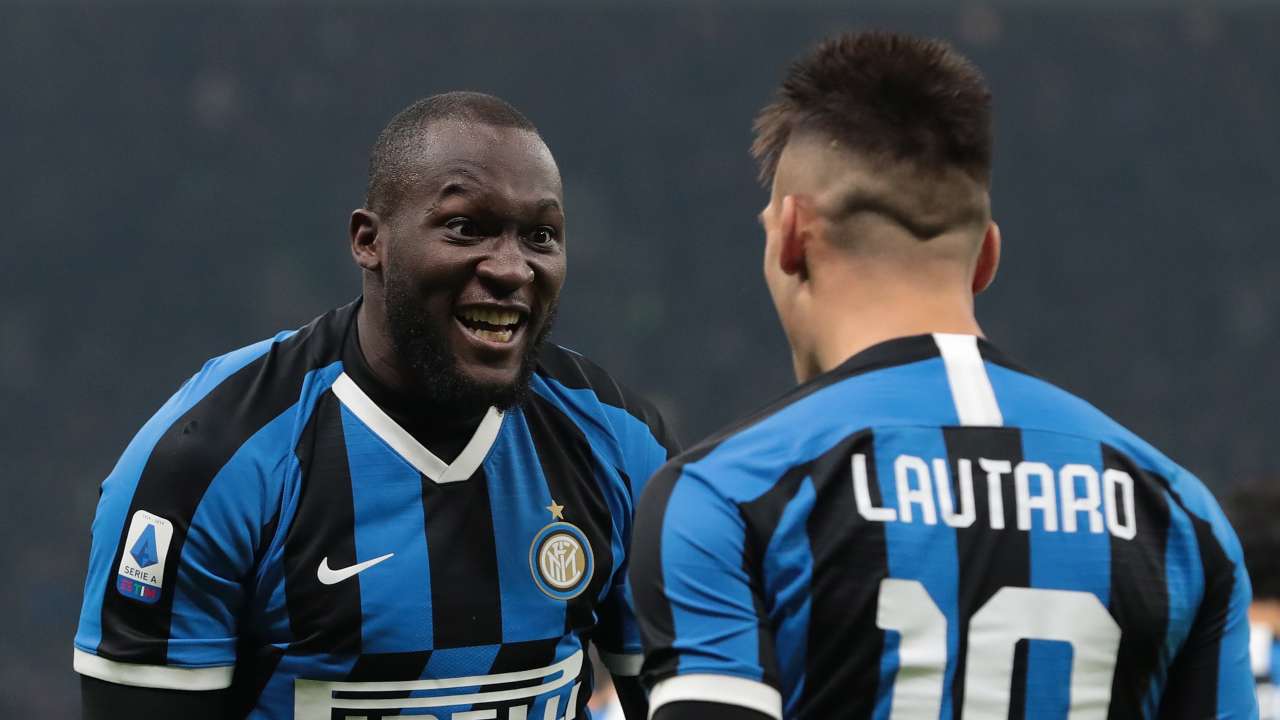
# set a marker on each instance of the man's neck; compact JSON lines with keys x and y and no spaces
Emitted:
{"x":445,"y":430}
{"x":843,"y":327}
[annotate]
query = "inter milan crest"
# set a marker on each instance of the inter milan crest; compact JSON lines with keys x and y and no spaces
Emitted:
{"x":560,"y":558}
{"x":141,"y":572}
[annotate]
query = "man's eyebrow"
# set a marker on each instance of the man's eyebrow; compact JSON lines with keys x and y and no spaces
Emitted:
{"x":547,"y":204}
{"x":455,"y":187}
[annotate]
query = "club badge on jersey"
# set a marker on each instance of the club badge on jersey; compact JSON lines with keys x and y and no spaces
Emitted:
{"x":141,"y":572}
{"x":560,"y":557}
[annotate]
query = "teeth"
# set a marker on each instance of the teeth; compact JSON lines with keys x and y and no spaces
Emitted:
{"x":491,"y":316}
{"x":495,"y":335}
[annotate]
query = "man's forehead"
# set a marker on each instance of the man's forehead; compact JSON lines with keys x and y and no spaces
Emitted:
{"x":509,"y":164}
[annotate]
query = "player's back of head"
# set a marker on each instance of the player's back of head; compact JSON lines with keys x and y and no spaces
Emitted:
{"x":882,"y":126}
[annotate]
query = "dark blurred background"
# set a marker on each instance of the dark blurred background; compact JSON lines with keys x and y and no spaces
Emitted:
{"x":177,"y":177}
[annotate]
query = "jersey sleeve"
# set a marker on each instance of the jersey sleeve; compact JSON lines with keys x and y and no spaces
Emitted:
{"x":177,"y":528}
{"x":646,"y":444}
{"x":1211,"y":676}
{"x":706,"y":637}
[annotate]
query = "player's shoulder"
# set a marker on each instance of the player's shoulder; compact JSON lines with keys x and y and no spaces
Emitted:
{"x":587,"y":393}
{"x":234,"y":395}
{"x":745,"y":458}
{"x":1034,"y":404}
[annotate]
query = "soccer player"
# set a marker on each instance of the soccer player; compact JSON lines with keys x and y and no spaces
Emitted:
{"x":921,"y":529}
{"x":409,"y":507}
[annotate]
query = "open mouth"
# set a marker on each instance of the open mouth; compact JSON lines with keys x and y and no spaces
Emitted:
{"x":491,"y":324}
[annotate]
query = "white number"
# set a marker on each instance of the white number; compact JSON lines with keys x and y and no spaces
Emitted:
{"x":1012,"y":614}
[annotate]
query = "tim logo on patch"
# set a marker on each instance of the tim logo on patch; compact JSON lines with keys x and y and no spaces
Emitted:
{"x":141,"y":573}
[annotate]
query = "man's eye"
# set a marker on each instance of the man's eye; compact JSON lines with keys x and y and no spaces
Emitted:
{"x":542,"y":236}
{"x":463,"y":226}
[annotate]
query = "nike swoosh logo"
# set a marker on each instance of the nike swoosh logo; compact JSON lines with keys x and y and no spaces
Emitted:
{"x":330,"y":577}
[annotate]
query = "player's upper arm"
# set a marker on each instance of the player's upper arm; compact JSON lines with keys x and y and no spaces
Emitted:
{"x":1211,"y":676}
{"x":178,"y":527}
{"x":706,"y":639}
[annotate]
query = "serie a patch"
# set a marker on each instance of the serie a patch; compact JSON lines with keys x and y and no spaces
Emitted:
{"x":146,"y":548}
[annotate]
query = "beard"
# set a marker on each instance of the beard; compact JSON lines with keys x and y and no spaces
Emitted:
{"x":418,"y":342}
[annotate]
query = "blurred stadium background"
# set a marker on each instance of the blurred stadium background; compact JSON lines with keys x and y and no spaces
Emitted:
{"x":177,"y":177}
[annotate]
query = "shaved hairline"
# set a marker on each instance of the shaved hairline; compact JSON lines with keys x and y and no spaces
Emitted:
{"x":845,"y":183}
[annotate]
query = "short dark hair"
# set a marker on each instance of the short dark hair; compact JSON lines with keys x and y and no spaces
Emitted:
{"x":389,"y":159}
{"x":1253,"y":507}
{"x":889,"y":95}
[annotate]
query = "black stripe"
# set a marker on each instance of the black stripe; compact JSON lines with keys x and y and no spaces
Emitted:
{"x":256,"y":660}
{"x":573,"y":479}
{"x":466,"y":601}
{"x":761,"y":517}
{"x":575,"y":371}
{"x":988,"y":559}
{"x":185,"y":460}
{"x":255,"y":664}
{"x":1192,"y":686}
{"x":379,"y":667}
{"x":849,"y":560}
{"x":657,"y":625}
{"x":1139,"y":593}
{"x":323,"y":618}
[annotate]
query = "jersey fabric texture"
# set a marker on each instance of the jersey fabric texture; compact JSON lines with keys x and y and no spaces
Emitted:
{"x":273,"y":530}
{"x":927,"y":531}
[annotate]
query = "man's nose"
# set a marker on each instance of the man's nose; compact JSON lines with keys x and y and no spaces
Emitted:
{"x":505,"y":268}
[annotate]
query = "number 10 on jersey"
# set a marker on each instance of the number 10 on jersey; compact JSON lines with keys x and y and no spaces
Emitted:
{"x":1012,"y":614}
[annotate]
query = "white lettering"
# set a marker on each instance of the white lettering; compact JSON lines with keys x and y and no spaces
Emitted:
{"x":920,"y":494}
{"x":1072,"y":504}
{"x":1114,"y":479}
{"x":862,"y":494}
{"x":1042,"y":500}
{"x":925,"y":492}
{"x":964,"y":482}
{"x":995,"y":495}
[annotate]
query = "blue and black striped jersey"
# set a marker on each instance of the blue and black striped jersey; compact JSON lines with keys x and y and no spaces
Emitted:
{"x":927,"y":531}
{"x":273,"y":530}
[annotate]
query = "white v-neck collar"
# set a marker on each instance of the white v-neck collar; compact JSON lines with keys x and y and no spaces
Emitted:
{"x":462,"y":467}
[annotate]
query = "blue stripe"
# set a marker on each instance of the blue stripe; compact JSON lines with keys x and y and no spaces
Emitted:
{"x":624,"y":440}
{"x":705,"y":571}
{"x":1062,"y":560}
{"x":454,"y":663}
{"x":118,"y":488}
{"x":788,"y":576}
{"x":518,"y":498}
{"x":226,"y":527}
{"x":395,"y":594}
{"x":918,"y":551}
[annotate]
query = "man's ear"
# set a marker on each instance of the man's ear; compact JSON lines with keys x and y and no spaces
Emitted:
{"x":366,"y":244}
{"x":988,"y":259}
{"x":792,"y":251}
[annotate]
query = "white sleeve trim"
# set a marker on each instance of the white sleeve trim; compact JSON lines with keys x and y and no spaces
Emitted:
{"x":152,"y":676}
{"x":622,"y":665}
{"x":725,"y":689}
